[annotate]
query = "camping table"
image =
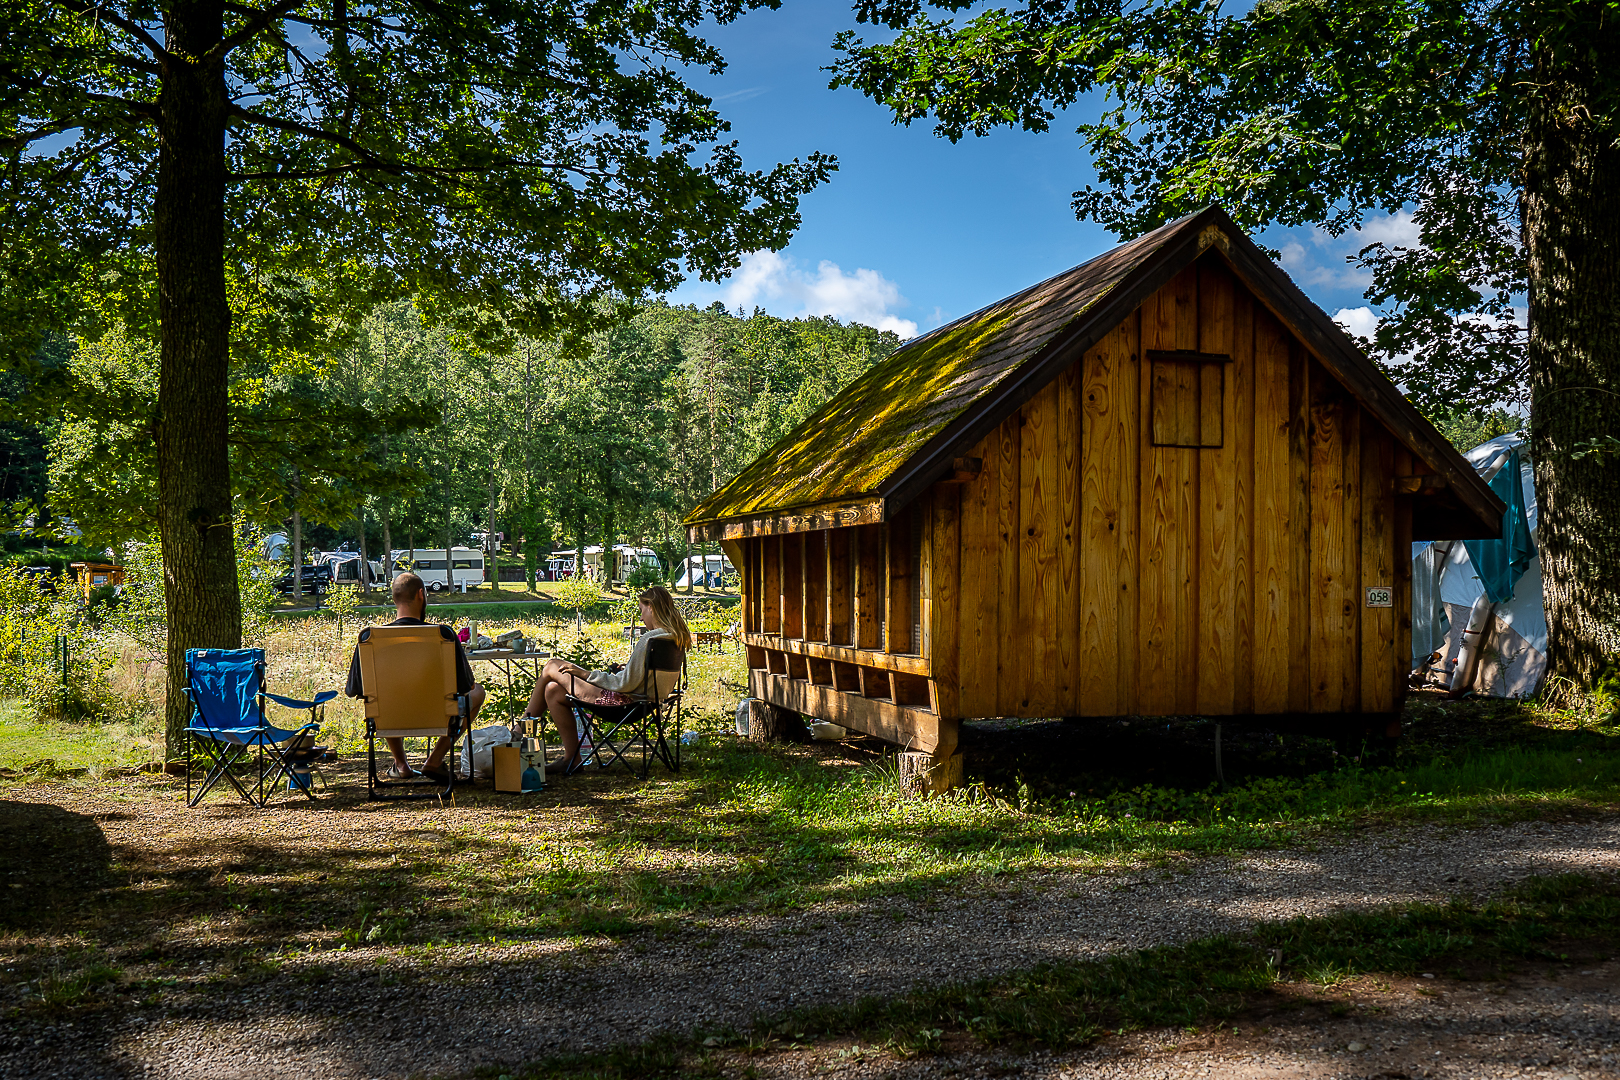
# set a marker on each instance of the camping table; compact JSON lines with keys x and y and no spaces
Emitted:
{"x":504,"y":660}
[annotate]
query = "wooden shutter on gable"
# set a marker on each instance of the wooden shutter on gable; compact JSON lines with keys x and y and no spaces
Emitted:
{"x":1185,"y":406}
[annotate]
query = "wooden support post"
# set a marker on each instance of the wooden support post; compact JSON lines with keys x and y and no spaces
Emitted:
{"x":772,"y":723}
{"x":922,"y":774}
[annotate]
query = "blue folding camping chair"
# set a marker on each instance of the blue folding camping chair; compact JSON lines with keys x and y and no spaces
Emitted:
{"x":228,"y":726}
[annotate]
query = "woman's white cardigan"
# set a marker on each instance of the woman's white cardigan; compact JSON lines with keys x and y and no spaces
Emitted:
{"x":633,"y":679}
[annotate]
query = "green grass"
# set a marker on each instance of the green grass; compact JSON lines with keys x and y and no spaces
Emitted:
{"x":48,"y":751}
{"x":779,"y":829}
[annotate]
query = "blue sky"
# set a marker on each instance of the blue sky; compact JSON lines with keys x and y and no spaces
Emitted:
{"x":914,"y":231}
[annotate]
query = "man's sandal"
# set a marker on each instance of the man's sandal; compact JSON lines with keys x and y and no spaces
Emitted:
{"x":394,"y":773}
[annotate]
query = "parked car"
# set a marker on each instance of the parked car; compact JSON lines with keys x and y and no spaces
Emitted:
{"x":317,"y":581}
{"x":44,"y":577}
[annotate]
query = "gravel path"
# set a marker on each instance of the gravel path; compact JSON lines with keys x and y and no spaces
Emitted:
{"x":377,"y":1013}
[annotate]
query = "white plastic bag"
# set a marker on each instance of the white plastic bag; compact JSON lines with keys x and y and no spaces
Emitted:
{"x":476,"y":758}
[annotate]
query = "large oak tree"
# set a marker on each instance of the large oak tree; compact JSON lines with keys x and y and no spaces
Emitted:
{"x":1497,"y":120}
{"x":508,"y":162}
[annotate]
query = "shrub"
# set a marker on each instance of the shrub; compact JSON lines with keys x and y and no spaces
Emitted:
{"x":577,"y":594}
{"x":33,"y":629}
{"x":642,"y":576}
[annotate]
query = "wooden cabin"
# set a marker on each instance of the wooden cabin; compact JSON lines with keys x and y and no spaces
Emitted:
{"x":1162,"y":483}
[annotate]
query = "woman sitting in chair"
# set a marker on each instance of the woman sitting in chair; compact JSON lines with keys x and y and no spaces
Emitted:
{"x":559,"y":679}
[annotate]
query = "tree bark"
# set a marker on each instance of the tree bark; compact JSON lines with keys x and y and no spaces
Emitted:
{"x":494,"y":560}
{"x":1572,"y":232}
{"x":363,"y":574}
{"x":388,"y":548}
{"x":194,"y":478}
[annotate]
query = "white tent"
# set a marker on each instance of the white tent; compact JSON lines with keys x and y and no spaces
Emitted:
{"x":1510,"y":657}
{"x":704,"y":568}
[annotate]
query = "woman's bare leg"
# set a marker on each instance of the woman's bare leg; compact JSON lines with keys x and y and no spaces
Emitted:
{"x":556,"y":672}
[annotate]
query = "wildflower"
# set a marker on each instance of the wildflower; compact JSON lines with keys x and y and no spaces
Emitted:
{"x":1071,"y":794}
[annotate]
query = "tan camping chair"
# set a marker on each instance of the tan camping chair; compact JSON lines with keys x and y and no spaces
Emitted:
{"x":408,"y":675}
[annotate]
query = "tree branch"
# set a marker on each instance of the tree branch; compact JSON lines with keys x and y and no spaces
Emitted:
{"x":370,"y":160}
{"x":254,"y":26}
{"x":129,"y":26}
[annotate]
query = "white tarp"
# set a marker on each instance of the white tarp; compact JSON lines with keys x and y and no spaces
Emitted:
{"x":1444,"y":588}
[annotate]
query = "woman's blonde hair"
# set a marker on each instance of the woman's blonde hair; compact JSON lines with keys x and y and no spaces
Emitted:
{"x":668,"y":615}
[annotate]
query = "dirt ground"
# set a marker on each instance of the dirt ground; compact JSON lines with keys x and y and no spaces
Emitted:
{"x":217,"y":995}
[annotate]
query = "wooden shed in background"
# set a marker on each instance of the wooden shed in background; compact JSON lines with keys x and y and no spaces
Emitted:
{"x":1162,"y":483}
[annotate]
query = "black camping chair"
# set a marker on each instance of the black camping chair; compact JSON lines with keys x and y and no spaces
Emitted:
{"x":650,"y":723}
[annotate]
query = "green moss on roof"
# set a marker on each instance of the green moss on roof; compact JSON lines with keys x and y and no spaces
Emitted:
{"x":870,"y":430}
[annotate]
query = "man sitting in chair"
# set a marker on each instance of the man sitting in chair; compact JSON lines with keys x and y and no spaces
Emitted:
{"x":410,"y":605}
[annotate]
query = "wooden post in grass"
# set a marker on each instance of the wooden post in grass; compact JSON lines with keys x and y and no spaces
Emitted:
{"x":921,"y":774}
{"x":772,"y":723}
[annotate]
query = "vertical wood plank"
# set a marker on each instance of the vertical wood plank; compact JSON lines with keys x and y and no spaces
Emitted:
{"x":1402,"y":558}
{"x":1214,"y":607}
{"x":1110,"y":400}
{"x":1351,"y":604}
{"x":840,"y":591}
{"x":1128,"y":418}
{"x":1299,"y":527}
{"x":869,"y":575}
{"x":1036,"y":628}
{"x":815,"y":585}
{"x":1377,"y":566}
{"x":1242,"y":436}
{"x":793,"y":585}
{"x":899,"y":584}
{"x":1327,"y":543}
{"x":981,"y":584}
{"x":771,"y":584}
{"x":945,"y":598}
{"x":1102,"y":460}
{"x":1009,"y":617}
{"x":1066,"y":535}
{"x":1274,"y":551}
{"x":1167,"y":677}
{"x":748,"y":586}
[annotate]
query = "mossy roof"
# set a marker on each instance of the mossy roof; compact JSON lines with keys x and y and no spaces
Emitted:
{"x":869,"y":431}
{"x":892,"y":432}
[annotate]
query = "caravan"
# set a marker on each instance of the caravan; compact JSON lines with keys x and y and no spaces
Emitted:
{"x":462,"y":569}
{"x":626,"y":557}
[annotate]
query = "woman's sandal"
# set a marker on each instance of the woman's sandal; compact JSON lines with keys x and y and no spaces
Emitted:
{"x":565,"y":766}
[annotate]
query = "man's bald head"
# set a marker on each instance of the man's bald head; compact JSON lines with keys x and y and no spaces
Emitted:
{"x":405,"y":590}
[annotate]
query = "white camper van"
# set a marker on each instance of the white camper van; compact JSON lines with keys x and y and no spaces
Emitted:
{"x":463,"y":569}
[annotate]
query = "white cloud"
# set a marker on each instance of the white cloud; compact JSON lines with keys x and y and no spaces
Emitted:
{"x":770,"y":280}
{"x":1396,"y":230}
{"x":1360,"y":321}
{"x":1325,"y":262}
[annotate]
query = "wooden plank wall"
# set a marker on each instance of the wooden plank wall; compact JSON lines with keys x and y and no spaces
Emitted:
{"x":1087,"y":571}
{"x":1098,"y":574}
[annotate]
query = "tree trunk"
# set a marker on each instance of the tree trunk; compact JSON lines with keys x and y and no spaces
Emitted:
{"x":493,"y":561}
{"x":363,"y":573}
{"x":1572,"y":232}
{"x":388,"y":548}
{"x":297,"y":541}
{"x":194,"y":477}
